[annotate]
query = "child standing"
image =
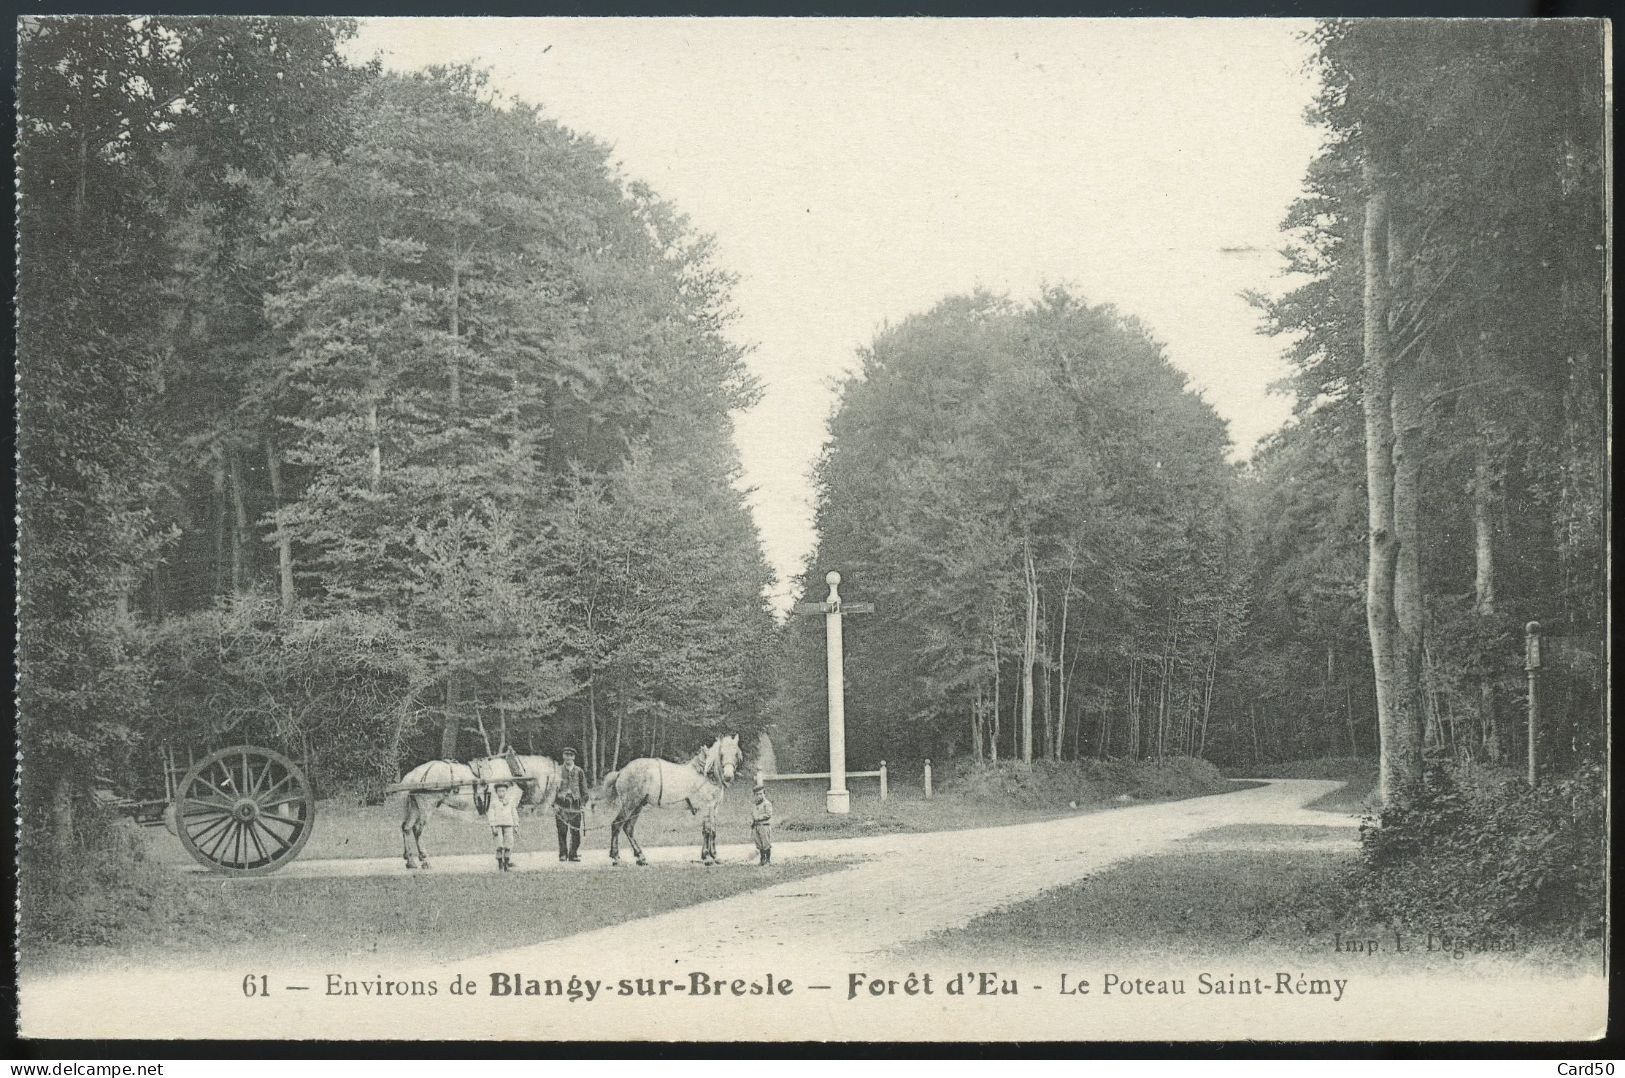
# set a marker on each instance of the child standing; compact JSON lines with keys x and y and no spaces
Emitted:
{"x":503,"y":816}
{"x":761,"y":824}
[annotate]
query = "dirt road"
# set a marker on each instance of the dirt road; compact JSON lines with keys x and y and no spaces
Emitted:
{"x":659,"y":976}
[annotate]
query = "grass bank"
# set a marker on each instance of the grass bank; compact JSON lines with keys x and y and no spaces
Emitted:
{"x":1226,"y":889}
{"x":1263,"y":892}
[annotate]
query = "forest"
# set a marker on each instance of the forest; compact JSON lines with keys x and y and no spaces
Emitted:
{"x":1065,"y":563}
{"x":381,"y":416}
{"x":367,"y":414}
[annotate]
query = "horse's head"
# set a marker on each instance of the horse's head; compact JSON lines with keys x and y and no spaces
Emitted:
{"x":728,"y":756}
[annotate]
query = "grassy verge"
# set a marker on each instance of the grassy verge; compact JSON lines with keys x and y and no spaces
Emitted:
{"x":1259,"y":891}
{"x":414,"y":917}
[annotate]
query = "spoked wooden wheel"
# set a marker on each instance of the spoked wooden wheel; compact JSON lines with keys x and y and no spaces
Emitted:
{"x":244,"y":811}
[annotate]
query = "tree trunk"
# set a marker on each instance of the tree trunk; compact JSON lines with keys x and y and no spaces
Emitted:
{"x":284,"y":543}
{"x":594,"y":762}
{"x":218,"y":474}
{"x":1410,"y":699}
{"x":1207,"y":692}
{"x":375,"y":453}
{"x":1061,"y":672}
{"x":452,"y":723}
{"x":1029,"y":655}
{"x":1105,"y":750}
{"x":454,"y":360}
{"x":239,"y":530}
{"x":1326,"y":692}
{"x":1348,"y":715}
{"x":375,"y":449}
{"x":62,"y":797}
{"x":1048,"y":747}
{"x":993,"y":739}
{"x":80,"y":186}
{"x":620,"y":724}
{"x":976,"y":724}
{"x":1137,"y":709}
{"x":1484,"y":588}
{"x":1399,"y":757}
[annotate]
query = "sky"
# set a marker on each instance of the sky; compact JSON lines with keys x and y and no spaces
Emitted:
{"x":854,"y":172}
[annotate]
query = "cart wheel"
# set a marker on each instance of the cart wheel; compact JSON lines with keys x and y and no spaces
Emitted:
{"x":244,"y":811}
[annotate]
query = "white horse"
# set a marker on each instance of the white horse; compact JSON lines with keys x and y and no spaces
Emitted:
{"x":698,"y":784}
{"x":460,"y":788}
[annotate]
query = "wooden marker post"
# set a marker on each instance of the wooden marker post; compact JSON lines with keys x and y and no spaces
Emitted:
{"x":837,"y":800}
{"x":1531,"y":665}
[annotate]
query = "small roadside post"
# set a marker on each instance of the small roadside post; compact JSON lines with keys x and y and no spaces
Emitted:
{"x":1531,"y":665}
{"x":837,"y":801}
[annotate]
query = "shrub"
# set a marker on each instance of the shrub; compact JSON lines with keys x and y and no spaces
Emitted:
{"x":345,"y":686}
{"x":1049,"y":783}
{"x":101,"y":890}
{"x":1462,"y":852}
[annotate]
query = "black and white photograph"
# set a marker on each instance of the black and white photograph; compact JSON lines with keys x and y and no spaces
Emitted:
{"x":812,"y":529}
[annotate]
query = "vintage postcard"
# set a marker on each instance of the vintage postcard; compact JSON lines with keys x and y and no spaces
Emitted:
{"x":816,"y":530}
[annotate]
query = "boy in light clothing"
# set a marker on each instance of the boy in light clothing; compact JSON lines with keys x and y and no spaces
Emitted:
{"x":761,"y":824}
{"x":503,"y":816}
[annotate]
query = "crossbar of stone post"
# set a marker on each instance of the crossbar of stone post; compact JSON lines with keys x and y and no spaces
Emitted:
{"x":837,"y":801}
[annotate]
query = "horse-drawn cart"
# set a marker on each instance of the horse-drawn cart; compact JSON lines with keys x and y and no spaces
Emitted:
{"x":243,"y":810}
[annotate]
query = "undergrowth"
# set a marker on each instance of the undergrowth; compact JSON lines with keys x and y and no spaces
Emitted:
{"x":1476,"y":851}
{"x":103,"y":888}
{"x":1061,"y":783}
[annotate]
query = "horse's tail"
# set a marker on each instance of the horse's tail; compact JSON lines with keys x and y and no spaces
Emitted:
{"x":547,"y":791}
{"x":605,"y":794}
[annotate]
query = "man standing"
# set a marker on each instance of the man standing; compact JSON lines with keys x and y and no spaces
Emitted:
{"x":569,"y":806}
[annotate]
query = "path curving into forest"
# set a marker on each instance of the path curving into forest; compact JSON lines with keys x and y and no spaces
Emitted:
{"x":911,"y":885}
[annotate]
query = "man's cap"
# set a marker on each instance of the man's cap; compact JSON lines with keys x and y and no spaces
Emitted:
{"x":569,"y":752}
{"x":759,"y":787}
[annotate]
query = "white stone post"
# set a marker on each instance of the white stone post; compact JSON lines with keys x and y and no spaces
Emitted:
{"x":928,"y":779}
{"x":837,"y":801}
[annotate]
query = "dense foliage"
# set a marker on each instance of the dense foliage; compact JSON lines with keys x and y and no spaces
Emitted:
{"x":1481,"y":854}
{"x":1041,"y":511}
{"x":371,"y":416}
{"x":1484,"y":142}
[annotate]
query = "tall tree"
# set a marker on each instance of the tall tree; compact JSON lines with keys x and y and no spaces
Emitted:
{"x":1452,"y":217}
{"x":106,"y":108}
{"x":1031,"y":495}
